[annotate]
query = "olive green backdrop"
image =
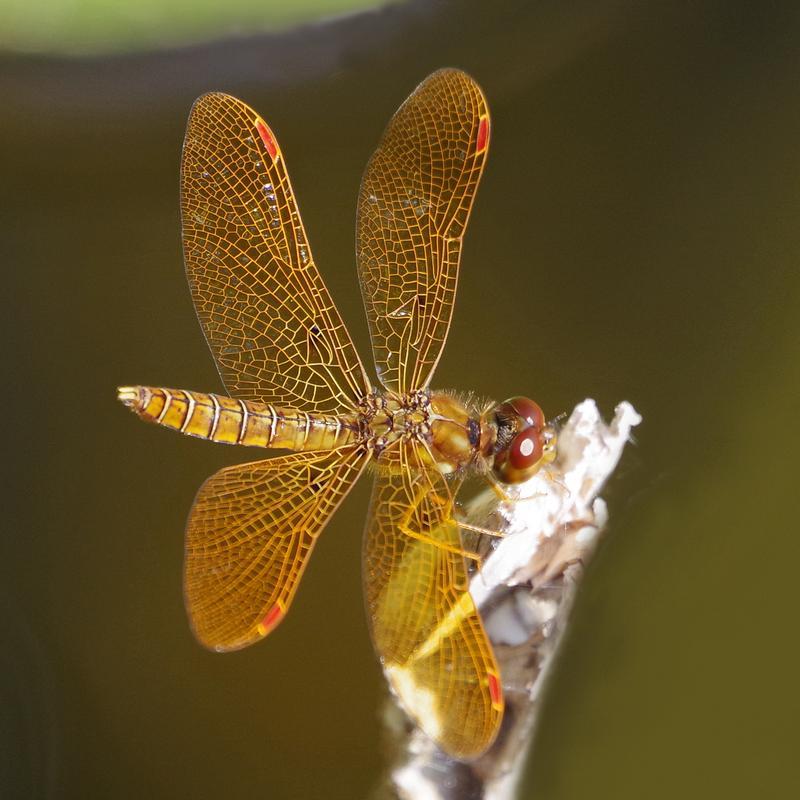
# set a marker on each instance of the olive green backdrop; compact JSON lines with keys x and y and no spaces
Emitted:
{"x":636,"y":237}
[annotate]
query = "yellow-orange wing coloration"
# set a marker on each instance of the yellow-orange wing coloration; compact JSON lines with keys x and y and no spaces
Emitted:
{"x":272,"y":327}
{"x":413,"y":207}
{"x":250,"y":532}
{"x":423,"y":620}
{"x":277,"y":338}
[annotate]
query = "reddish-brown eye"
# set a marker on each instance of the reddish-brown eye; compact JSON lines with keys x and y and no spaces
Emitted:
{"x":525,"y":449}
{"x":529,"y":411}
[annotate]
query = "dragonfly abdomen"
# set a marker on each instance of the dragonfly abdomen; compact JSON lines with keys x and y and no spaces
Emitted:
{"x":231,"y":420}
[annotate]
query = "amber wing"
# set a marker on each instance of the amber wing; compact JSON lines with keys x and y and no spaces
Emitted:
{"x":249,"y":536}
{"x":423,"y":621}
{"x":270,"y":322}
{"x":413,"y":207}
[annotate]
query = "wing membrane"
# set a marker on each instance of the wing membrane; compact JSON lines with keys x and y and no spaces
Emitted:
{"x":423,"y":621}
{"x":413,"y":207}
{"x":249,"y":536}
{"x":269,"y":320}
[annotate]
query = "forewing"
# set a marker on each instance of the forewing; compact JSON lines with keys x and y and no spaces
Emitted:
{"x":413,"y":207}
{"x":270,"y":322}
{"x":248,"y":539}
{"x":423,"y":621}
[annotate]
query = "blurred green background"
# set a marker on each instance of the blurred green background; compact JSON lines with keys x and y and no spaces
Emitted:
{"x":80,"y":27}
{"x":635,"y":238}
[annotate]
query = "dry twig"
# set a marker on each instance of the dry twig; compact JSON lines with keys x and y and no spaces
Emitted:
{"x":525,"y":589}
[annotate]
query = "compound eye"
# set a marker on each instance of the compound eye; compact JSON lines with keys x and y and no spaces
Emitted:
{"x":527,"y":410}
{"x":525,"y":449}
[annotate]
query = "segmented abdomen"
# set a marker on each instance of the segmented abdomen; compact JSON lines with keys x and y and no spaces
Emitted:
{"x":233,"y":421}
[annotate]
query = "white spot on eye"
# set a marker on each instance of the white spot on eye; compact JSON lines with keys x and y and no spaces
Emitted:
{"x":526,"y":447}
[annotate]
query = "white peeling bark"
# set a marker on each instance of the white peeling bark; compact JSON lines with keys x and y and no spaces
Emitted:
{"x":525,"y":589}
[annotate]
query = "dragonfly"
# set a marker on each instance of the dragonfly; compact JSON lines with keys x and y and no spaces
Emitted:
{"x":295,"y":382}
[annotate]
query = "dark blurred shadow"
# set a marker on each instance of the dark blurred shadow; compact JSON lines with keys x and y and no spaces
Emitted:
{"x":29,"y":731}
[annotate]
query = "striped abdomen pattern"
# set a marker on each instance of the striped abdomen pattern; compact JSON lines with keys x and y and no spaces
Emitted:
{"x":234,"y":421}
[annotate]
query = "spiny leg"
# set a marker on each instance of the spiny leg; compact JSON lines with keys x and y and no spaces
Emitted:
{"x":421,"y":537}
{"x":498,"y":488}
{"x":406,"y":527}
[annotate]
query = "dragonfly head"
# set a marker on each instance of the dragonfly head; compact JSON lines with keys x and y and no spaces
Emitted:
{"x":525,"y":441}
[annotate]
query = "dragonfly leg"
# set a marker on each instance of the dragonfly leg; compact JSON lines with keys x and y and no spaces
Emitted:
{"x":497,"y":487}
{"x":450,"y":548}
{"x":499,"y":490}
{"x":467,"y":526}
{"x":409,"y":530}
{"x":551,"y":476}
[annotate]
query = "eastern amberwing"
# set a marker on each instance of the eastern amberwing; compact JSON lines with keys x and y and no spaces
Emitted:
{"x":297,"y":383}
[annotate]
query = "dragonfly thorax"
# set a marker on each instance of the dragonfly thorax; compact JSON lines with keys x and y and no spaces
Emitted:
{"x":387,"y":418}
{"x":455,"y":437}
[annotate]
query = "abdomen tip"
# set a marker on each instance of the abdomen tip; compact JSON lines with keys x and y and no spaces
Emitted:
{"x":129,"y":395}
